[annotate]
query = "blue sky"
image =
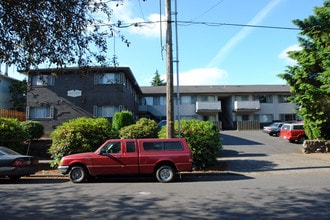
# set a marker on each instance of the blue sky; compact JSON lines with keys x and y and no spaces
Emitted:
{"x":212,"y":55}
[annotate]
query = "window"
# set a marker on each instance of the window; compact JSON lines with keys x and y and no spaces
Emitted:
{"x":264,"y":117}
{"x":264,"y":98}
{"x":43,"y":80}
{"x":242,"y":98}
{"x":105,"y":111}
{"x":161,"y":146}
{"x":289,"y":117}
{"x":130,"y":147}
{"x":108,"y":78}
{"x":159,"y":100}
{"x":40,"y":112}
{"x":188,"y":99}
{"x":112,"y":148}
{"x":283,"y":98}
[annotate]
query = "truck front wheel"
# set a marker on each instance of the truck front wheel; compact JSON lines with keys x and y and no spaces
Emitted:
{"x":165,"y":174}
{"x":78,"y":174}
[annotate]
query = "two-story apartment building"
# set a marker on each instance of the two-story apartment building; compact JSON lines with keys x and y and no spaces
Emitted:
{"x":224,"y":105}
{"x":58,"y":95}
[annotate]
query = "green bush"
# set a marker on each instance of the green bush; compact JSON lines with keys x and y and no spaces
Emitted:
{"x":79,"y":135}
{"x":12,"y":134}
{"x":33,"y":129}
{"x":122,"y":119}
{"x":143,"y":128}
{"x":203,"y":139}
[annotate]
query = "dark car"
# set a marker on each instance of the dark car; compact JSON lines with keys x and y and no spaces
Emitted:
{"x":273,"y":129}
{"x":15,"y":165}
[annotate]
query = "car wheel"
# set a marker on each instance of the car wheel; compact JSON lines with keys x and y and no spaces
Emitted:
{"x":301,"y":139}
{"x":277,"y":134}
{"x":78,"y":174}
{"x":165,"y":174}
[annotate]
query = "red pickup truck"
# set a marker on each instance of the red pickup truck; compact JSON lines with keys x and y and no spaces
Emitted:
{"x":161,"y":157}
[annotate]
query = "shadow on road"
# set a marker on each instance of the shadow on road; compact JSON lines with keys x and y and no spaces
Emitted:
{"x":234,"y":153}
{"x":233,"y":140}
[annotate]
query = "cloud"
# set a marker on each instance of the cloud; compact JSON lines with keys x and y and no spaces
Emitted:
{"x":149,"y":27}
{"x":243,"y":33}
{"x":202,"y":76}
{"x":284,"y":54}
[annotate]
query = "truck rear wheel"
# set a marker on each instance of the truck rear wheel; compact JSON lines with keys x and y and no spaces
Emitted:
{"x":78,"y":174}
{"x":165,"y":174}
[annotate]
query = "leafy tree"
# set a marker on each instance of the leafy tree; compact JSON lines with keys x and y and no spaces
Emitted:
{"x":309,"y":79}
{"x":59,"y":32}
{"x":203,"y":139}
{"x":79,"y":135}
{"x":34,"y":130}
{"x":18,"y":90}
{"x":12,"y":134}
{"x":156,"y":81}
{"x":143,"y":128}
{"x":122,"y":119}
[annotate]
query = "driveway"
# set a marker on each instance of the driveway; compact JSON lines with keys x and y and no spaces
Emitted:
{"x":256,"y":153}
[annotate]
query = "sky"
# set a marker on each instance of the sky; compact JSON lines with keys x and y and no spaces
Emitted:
{"x":209,"y":53}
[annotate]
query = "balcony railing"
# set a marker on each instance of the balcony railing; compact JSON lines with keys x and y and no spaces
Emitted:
{"x":208,"y":107}
{"x":246,"y":106}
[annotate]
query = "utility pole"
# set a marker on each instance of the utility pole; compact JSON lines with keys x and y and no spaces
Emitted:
{"x":169,"y":72}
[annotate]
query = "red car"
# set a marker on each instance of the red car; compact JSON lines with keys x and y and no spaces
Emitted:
{"x":293,"y":133}
{"x":160,"y":157}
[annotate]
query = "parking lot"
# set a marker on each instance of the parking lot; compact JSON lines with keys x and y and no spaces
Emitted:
{"x":255,"y":152}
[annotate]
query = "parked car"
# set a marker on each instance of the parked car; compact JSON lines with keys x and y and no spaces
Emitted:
{"x":273,"y":129}
{"x":160,"y":157}
{"x":15,"y":165}
{"x":293,"y":133}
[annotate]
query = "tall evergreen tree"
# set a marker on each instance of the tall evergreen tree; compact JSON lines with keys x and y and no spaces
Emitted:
{"x":309,"y":78}
{"x":157,"y":81}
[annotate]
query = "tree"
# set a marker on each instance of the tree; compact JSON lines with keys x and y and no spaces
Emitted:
{"x":156,"y":81}
{"x":18,"y":90}
{"x":59,"y":32}
{"x":309,"y":79}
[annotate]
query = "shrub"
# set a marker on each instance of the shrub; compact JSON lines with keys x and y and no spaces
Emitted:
{"x":33,"y":129}
{"x":203,"y":139}
{"x":12,"y":134}
{"x":143,"y":128}
{"x":79,"y":135}
{"x":122,"y":119}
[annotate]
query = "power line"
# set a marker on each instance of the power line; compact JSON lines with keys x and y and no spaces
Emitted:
{"x":189,"y":23}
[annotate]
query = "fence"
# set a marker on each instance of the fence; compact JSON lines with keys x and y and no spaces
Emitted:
{"x":248,"y":125}
{"x":5,"y":113}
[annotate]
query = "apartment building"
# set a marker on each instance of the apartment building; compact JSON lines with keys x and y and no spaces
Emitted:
{"x":226,"y":106}
{"x":58,"y":95}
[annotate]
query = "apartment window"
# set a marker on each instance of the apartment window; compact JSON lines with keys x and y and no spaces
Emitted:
{"x":283,"y":98}
{"x":242,"y":118}
{"x":104,"y":111}
{"x":43,"y":80}
{"x":40,"y":112}
{"x":108,"y":78}
{"x":159,"y":100}
{"x":206,"y":98}
{"x":264,"y":117}
{"x":242,"y":98}
{"x":289,"y":117}
{"x":264,"y":98}
{"x":188,"y":99}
